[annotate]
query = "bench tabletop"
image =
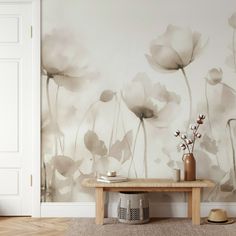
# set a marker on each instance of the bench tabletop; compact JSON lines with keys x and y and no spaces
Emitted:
{"x":151,"y":183}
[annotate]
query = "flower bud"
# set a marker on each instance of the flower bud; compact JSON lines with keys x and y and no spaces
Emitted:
{"x":106,"y":95}
{"x":214,"y":76}
{"x":183,"y":136}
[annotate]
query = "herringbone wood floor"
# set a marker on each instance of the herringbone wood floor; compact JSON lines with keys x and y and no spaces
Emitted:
{"x":27,"y":226}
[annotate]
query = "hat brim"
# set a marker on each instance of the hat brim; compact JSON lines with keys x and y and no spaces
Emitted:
{"x":229,"y":221}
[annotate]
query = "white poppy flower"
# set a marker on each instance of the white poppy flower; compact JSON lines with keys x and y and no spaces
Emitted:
{"x":141,"y":98}
{"x":64,"y":60}
{"x":175,"y":49}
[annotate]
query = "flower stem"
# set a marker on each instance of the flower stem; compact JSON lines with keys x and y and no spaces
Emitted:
{"x":145,"y":149}
{"x":44,"y":186}
{"x":209,"y":118}
{"x":50,"y":112}
{"x":186,"y":145}
{"x":56,"y":115}
{"x":129,"y":145}
{"x":78,"y":128}
{"x":113,"y":125}
{"x":124,"y":130}
{"x":48,"y":99}
{"x":118,"y":115}
{"x":56,"y":102}
{"x":234,"y":49}
{"x":194,"y":137}
{"x":189,"y":94}
{"x":135,"y":140}
{"x":231,"y":142}
{"x":93,"y":155}
{"x":208,"y":107}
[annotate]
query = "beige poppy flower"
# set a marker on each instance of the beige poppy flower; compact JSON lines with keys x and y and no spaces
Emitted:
{"x":175,"y":49}
{"x":144,"y":98}
{"x":64,"y":60}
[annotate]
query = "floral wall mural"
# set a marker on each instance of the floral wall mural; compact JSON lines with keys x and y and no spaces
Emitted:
{"x":118,"y":77}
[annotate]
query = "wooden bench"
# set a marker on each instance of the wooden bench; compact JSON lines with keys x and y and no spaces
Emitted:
{"x":193,"y":188}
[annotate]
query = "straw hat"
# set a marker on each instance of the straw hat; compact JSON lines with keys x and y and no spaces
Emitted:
{"x":218,"y":216}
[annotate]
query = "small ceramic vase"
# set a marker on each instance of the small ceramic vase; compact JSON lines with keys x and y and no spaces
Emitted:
{"x":189,"y":167}
{"x":176,"y":175}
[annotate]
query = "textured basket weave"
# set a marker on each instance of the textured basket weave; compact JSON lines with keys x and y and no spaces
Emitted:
{"x":133,"y":208}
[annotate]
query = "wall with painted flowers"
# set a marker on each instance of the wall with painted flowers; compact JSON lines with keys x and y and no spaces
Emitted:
{"x":118,"y":79}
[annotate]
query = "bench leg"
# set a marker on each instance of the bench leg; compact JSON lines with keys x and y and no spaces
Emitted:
{"x":190,"y":204}
{"x":196,"y":195}
{"x":99,"y":206}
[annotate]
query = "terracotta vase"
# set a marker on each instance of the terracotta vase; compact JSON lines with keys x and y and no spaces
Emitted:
{"x":189,"y":167}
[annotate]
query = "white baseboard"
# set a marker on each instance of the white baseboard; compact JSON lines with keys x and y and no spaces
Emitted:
{"x":157,"y":209}
{"x":68,"y":209}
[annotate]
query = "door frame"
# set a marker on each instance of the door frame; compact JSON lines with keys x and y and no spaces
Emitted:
{"x":36,"y":103}
{"x":36,"y":116}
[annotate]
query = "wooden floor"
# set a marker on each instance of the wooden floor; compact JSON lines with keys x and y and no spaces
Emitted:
{"x":27,"y":226}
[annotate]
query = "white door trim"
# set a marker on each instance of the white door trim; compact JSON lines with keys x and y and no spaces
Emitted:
{"x":36,"y":119}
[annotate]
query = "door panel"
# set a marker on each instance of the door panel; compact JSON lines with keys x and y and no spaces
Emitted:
{"x":10,"y":25}
{"x":15,"y":109}
{"x":9,"y":105}
{"x":12,"y":186}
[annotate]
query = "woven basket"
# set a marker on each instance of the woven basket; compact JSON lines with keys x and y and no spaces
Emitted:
{"x":133,"y":208}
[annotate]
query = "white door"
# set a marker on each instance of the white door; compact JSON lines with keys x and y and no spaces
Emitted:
{"x":15,"y":108}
